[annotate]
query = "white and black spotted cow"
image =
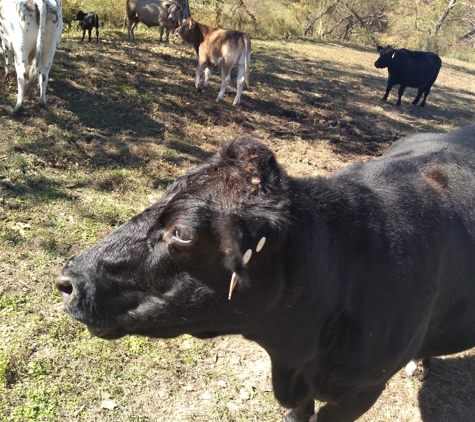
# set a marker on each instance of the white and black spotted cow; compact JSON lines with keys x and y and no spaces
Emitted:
{"x":30,"y":31}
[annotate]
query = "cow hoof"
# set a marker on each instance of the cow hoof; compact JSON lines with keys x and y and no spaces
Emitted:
{"x":236,"y":103}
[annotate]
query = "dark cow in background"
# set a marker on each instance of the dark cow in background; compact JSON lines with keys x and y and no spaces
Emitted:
{"x":415,"y":69}
{"x":164,"y":14}
{"x":88,"y":22}
{"x":216,"y":46}
{"x":343,"y":280}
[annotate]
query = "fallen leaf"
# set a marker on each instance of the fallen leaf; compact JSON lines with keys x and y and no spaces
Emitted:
{"x":108,"y":404}
{"x":206,"y":396}
{"x":222,"y":383}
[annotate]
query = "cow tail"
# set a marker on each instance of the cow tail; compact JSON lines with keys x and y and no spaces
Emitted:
{"x":247,"y":58}
{"x":33,"y":73}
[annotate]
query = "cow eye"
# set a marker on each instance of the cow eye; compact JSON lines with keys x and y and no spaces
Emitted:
{"x":181,"y":236}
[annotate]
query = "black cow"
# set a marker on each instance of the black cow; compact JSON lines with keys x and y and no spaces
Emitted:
{"x":343,"y":280}
{"x":416,"y":69}
{"x":87,"y":22}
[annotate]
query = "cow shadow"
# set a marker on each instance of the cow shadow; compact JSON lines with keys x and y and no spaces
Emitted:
{"x":106,"y":117}
{"x":447,"y":394}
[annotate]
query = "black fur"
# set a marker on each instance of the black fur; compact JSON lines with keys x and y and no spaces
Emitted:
{"x":87,"y":22}
{"x":361,"y":272}
{"x":416,"y":69}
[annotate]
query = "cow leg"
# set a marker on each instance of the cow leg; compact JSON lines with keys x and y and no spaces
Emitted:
{"x":349,"y":409}
{"x":425,"y":369}
{"x":240,"y":84}
{"x":43,"y":73}
{"x":83,"y":34}
{"x":418,"y":96}
{"x":427,"y":89}
{"x":301,"y":413}
{"x":426,"y":93}
{"x":208,"y":73}
{"x":90,"y":31}
{"x":20,"y":67}
{"x":167,"y":32}
{"x":131,"y":28}
{"x":161,"y":29}
{"x":399,"y":93}
{"x":225,"y":78}
{"x":199,"y":69}
{"x":43,"y":82}
{"x":97,"y":35}
{"x":8,"y":54}
{"x":388,"y":90}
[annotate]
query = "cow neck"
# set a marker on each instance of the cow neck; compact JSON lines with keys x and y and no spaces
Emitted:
{"x":199,"y":37}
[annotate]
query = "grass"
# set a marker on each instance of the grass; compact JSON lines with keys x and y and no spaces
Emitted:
{"x":123,"y":122}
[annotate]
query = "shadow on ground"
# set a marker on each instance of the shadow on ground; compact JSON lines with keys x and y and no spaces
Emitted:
{"x":439,"y":401}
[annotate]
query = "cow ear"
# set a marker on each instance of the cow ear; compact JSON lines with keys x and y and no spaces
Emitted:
{"x":247,"y":244}
{"x":379,"y":48}
{"x":258,"y":205}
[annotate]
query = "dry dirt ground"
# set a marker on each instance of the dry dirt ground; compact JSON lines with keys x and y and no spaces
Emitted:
{"x":124,"y":121}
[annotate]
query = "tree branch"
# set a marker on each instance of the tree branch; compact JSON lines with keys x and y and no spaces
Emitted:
{"x":326,"y":11}
{"x":443,"y":17}
{"x":467,"y":35}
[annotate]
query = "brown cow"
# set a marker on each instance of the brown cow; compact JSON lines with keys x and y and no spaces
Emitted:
{"x":217,"y":46}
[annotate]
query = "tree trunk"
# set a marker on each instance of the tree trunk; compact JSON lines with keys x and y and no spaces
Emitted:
{"x":441,"y":20}
{"x":312,"y":22}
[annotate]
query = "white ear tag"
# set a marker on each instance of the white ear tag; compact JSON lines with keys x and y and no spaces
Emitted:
{"x":261,"y":244}
{"x":246,"y":257}
{"x":232,"y":285}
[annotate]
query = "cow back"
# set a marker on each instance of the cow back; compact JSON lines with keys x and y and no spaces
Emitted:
{"x":416,"y":68}
{"x":219,"y":43}
{"x":150,"y":12}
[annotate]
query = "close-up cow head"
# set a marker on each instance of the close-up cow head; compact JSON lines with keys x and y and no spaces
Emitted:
{"x":168,"y":270}
{"x":385,"y":58}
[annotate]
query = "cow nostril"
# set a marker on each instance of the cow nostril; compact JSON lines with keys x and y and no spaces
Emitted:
{"x":65,"y":287}
{"x":67,"y":290}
